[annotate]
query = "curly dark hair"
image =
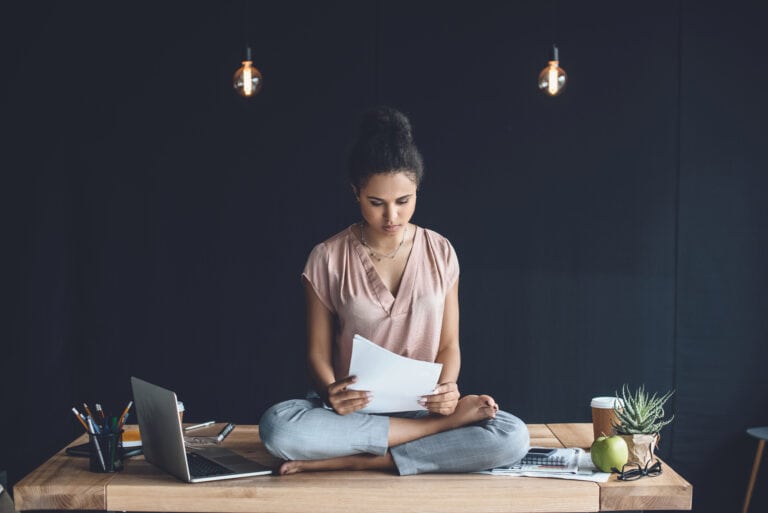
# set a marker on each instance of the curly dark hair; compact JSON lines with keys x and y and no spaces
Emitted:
{"x":384,"y":145}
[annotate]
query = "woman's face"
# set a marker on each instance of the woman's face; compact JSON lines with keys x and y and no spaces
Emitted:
{"x":387,"y":203}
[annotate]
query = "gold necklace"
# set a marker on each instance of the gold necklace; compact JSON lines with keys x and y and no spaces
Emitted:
{"x":375,"y":254}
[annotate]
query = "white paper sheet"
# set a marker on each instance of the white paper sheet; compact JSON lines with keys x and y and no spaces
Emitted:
{"x":397,"y":382}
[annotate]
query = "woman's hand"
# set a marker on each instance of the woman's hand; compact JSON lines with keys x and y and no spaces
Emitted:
{"x":444,"y":399}
{"x":345,"y":401}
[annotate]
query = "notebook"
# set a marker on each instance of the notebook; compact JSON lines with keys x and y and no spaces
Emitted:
{"x":162,"y":441}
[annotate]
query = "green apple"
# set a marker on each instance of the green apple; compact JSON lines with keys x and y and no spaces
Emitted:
{"x":609,"y":451}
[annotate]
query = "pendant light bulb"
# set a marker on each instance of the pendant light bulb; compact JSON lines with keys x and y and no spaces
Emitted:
{"x":247,"y":80}
{"x":552,"y":79}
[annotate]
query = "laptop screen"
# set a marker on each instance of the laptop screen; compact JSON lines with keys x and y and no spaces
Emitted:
{"x":162,"y":438}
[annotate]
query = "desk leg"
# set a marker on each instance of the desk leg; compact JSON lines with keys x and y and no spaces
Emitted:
{"x":755,"y":467}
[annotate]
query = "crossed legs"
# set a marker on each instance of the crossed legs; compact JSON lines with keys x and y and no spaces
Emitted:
{"x":408,"y":445}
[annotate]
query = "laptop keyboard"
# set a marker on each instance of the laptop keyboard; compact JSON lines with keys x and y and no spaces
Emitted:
{"x":202,"y":467}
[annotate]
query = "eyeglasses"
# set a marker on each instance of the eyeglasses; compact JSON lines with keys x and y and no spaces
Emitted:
{"x":633,"y":471}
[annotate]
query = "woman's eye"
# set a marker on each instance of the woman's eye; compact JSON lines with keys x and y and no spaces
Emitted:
{"x":376,"y":203}
{"x":402,"y":202}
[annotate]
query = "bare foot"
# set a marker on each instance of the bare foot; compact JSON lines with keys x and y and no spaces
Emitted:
{"x":294,"y":467}
{"x":473,"y":408}
{"x":355,"y":462}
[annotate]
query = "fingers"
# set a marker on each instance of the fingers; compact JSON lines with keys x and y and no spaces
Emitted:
{"x":341,"y":385}
{"x":442,"y":408}
{"x":345,"y":401}
{"x":350,"y":401}
{"x":444,"y":399}
{"x":443,"y":392}
{"x":446,"y":387}
{"x":439,"y":401}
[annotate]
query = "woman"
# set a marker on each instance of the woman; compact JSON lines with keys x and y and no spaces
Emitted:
{"x":395,"y":284}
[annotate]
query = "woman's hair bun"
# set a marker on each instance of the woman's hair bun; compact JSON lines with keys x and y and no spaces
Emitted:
{"x":385,"y":120}
{"x":384,"y":145}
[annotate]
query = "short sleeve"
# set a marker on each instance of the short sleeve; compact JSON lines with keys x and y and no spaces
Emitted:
{"x":317,"y":274}
{"x":444,"y":259}
{"x":451,"y":267}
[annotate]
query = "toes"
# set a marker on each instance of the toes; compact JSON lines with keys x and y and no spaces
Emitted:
{"x":288,"y":468}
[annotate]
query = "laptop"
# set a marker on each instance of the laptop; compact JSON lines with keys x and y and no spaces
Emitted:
{"x":162,"y":440}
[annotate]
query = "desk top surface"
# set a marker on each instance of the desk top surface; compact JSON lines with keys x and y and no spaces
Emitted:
{"x":64,"y":482}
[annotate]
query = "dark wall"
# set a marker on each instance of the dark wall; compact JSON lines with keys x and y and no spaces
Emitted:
{"x":722,"y":279}
{"x":156,"y":224}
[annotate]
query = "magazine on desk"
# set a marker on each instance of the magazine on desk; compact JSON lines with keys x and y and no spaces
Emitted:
{"x":565,"y":463}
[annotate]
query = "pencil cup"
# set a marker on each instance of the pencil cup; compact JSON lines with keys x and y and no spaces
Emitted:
{"x":106,"y":452}
{"x":604,"y":416}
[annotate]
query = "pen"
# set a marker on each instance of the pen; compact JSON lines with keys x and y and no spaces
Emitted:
{"x":96,"y":443}
{"x":87,"y":410}
{"x":198,"y":426}
{"x":80,"y":418}
{"x":100,"y":412}
{"x":225,"y":432}
{"x":94,"y":426}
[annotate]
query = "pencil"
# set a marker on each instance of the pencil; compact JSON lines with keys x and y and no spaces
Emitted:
{"x":130,"y":403}
{"x":198,"y":426}
{"x":77,"y":414}
{"x":124,"y":415}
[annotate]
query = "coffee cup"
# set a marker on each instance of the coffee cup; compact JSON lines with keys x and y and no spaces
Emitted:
{"x":604,"y":415}
{"x":180,"y":409}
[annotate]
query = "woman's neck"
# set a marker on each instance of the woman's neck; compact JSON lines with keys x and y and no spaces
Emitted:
{"x":383,"y":246}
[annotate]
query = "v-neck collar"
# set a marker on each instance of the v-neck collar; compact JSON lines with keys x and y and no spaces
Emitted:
{"x":391,"y":304}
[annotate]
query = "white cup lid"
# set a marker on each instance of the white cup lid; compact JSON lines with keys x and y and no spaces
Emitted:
{"x":606,"y":402}
{"x":179,"y":406}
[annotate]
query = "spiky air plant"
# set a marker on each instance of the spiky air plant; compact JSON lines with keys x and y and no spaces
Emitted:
{"x":641,"y":412}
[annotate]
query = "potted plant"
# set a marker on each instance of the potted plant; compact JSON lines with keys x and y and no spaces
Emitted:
{"x":640,"y":419}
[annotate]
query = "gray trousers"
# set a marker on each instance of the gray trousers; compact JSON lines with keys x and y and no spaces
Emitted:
{"x":304,"y":429}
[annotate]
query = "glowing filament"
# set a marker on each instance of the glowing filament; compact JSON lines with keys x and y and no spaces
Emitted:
{"x":247,"y":78}
{"x":552,"y":85}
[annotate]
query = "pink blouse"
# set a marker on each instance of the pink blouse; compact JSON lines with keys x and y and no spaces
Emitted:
{"x":342,"y":275}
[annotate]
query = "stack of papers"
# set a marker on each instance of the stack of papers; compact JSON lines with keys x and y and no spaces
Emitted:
{"x":397,"y":382}
{"x":570,"y":463}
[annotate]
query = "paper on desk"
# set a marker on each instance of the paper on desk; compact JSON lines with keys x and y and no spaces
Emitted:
{"x":586,"y":471}
{"x":397,"y":382}
{"x":595,"y":477}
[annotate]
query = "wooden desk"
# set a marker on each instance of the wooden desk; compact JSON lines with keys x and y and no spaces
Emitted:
{"x":64,"y":482}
